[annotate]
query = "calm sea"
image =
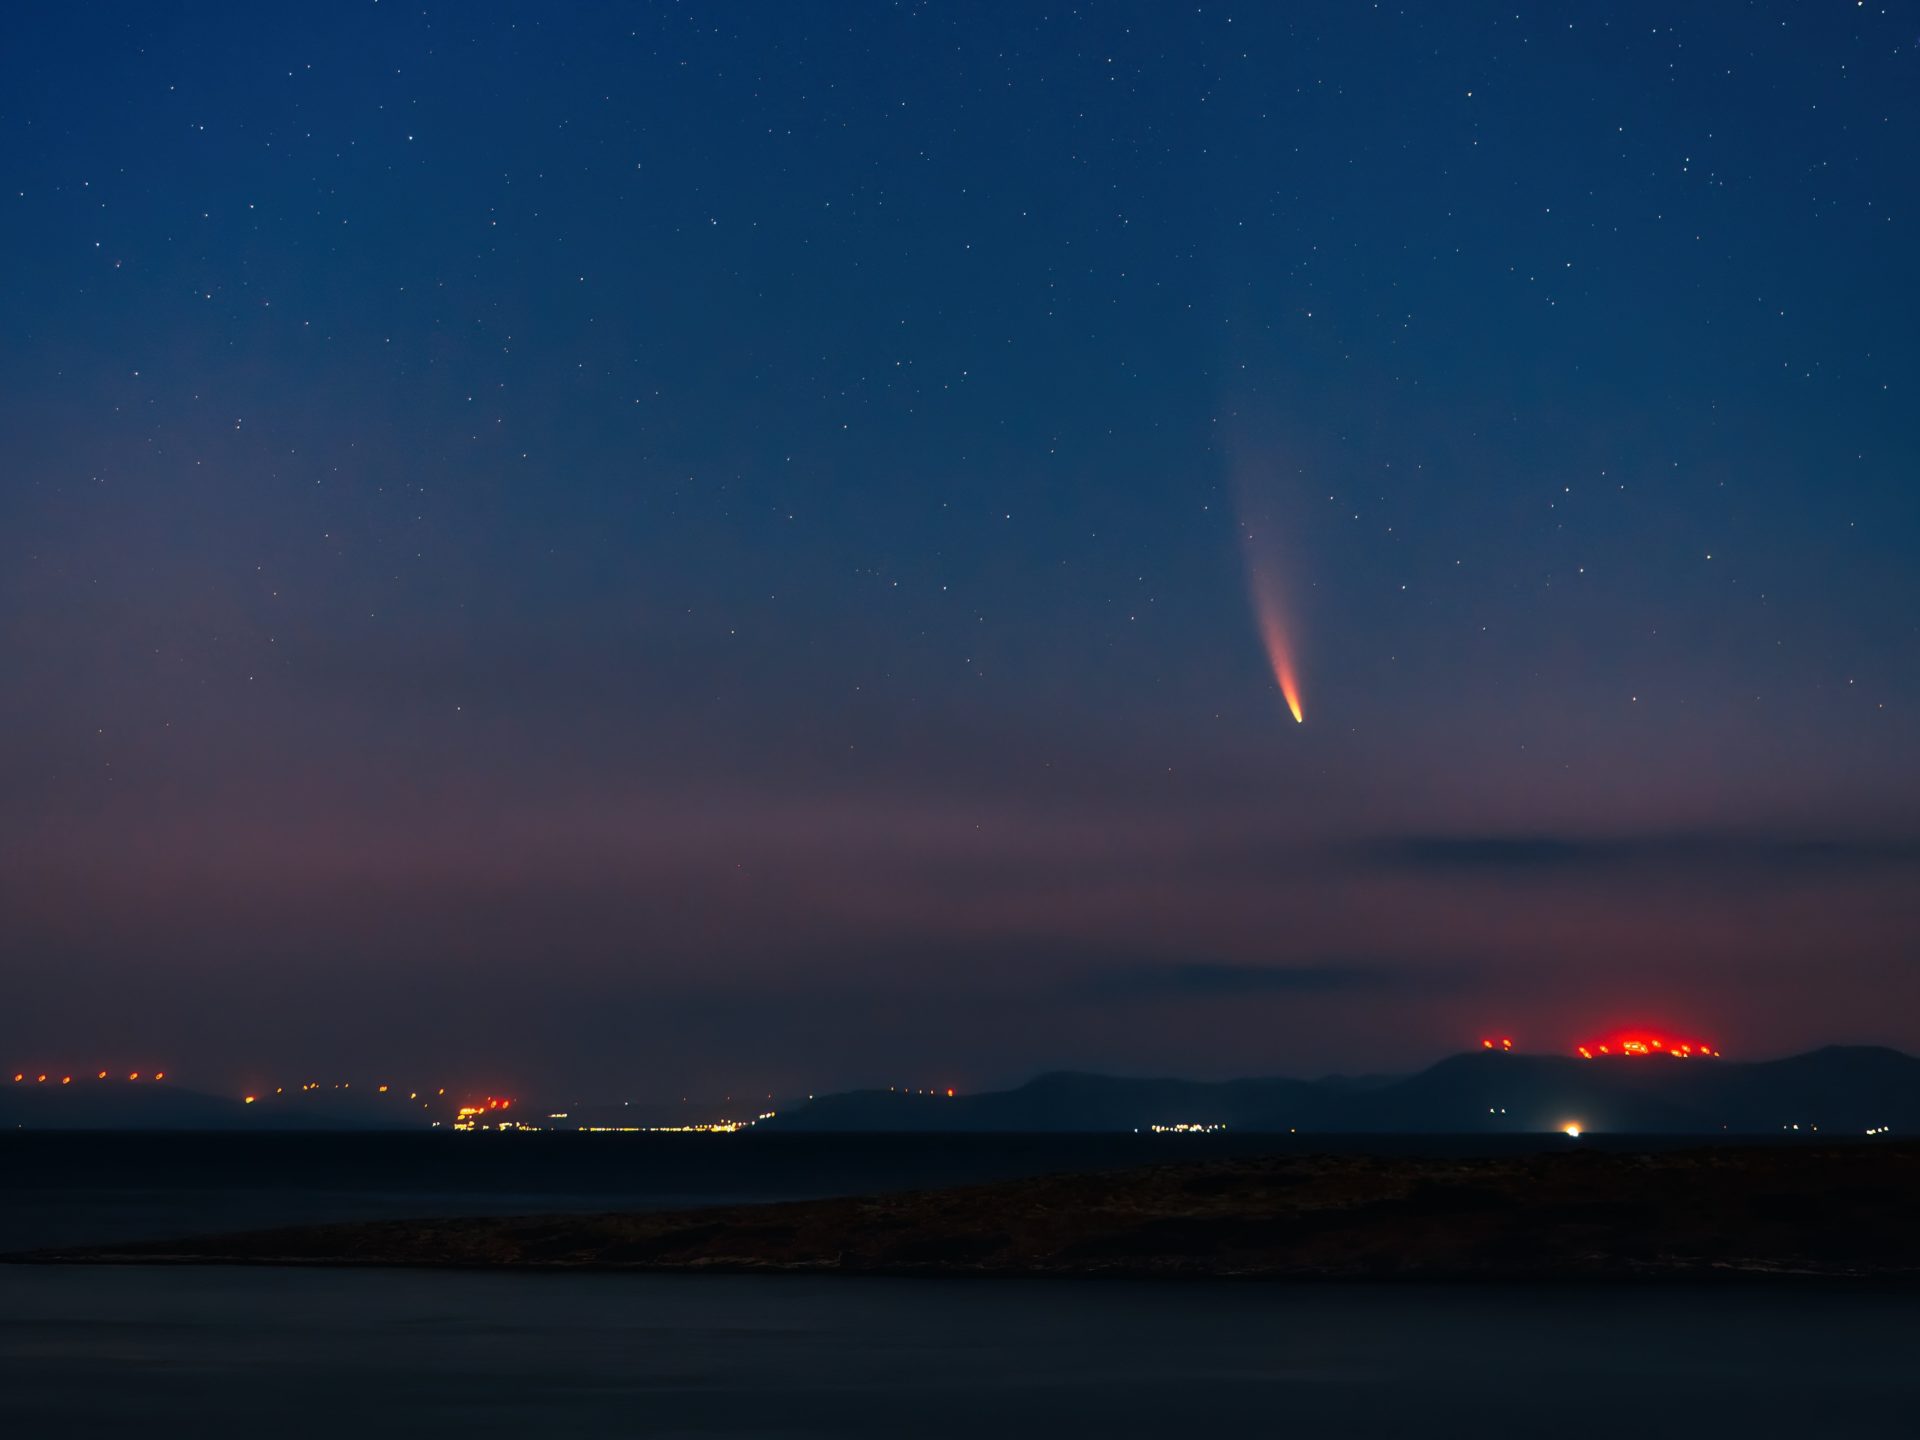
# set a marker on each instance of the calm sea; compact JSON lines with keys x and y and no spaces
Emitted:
{"x":159,"y":1352}
{"x":76,"y":1188}
{"x":83,"y":1188}
{"x":239,"y":1352}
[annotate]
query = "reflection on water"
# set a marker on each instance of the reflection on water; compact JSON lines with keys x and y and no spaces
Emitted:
{"x":159,"y":1352}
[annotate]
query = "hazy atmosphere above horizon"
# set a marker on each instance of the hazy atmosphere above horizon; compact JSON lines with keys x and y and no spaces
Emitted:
{"x":776,"y":547}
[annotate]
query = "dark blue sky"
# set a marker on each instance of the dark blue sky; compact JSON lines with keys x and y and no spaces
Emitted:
{"x":675,"y":547}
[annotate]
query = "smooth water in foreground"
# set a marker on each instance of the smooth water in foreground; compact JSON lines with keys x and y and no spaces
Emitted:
{"x":215,"y":1352}
{"x":162,"y":1352}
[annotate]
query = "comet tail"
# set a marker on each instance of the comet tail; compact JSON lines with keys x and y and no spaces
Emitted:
{"x":1273,"y":635}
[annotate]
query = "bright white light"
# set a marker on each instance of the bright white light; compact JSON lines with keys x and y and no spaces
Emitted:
{"x":1572,"y":1131}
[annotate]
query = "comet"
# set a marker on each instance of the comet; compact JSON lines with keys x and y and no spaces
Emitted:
{"x":1254,"y":495}
{"x":1273,"y":635}
{"x":1270,"y":615}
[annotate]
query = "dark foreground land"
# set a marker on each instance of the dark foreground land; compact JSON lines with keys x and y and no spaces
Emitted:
{"x":1838,"y":1212}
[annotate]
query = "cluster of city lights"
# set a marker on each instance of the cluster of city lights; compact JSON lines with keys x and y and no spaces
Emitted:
{"x":708,"y":1127}
{"x":472,"y":1117}
{"x":1189,"y":1127}
{"x":482,"y":1116}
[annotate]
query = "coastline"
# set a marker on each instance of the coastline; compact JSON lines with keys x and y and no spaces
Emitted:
{"x":1722,"y":1214}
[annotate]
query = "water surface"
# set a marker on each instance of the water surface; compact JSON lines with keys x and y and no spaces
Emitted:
{"x":227,"y":1351}
{"x":95,"y":1188}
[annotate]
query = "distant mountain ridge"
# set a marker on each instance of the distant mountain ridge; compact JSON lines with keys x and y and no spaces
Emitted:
{"x":1838,"y":1090}
{"x":1834,"y":1092}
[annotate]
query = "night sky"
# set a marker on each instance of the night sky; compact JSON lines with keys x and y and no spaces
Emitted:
{"x":697,"y":547}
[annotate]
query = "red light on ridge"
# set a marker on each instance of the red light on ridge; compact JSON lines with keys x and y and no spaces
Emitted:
{"x":1641,"y":1043}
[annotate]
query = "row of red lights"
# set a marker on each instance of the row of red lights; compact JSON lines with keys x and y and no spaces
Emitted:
{"x":1648,"y":1045}
{"x":20,"y":1077}
{"x":1629,"y":1045}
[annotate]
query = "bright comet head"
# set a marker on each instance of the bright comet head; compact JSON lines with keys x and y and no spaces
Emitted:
{"x":1273,"y":635}
{"x":1291,"y":689}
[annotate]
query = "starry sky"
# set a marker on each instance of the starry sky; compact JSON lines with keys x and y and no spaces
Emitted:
{"x":677,"y":547}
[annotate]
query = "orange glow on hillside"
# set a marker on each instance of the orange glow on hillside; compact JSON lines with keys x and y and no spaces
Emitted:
{"x":1639,"y":1043}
